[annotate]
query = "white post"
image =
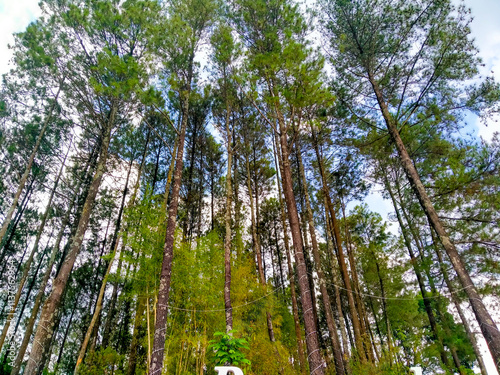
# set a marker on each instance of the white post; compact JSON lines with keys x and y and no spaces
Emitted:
{"x":223,"y":370}
{"x":416,"y":370}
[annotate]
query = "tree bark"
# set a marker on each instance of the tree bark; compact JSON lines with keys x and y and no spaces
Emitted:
{"x":227,"y":240}
{"x":315,"y":359}
{"x":332,"y":328}
{"x":291,"y":276}
{"x":168,"y":249}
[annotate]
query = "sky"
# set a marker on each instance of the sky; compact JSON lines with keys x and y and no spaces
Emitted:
{"x":15,"y":15}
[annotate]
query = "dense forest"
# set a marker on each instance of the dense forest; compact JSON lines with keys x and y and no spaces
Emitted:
{"x":184,"y":185}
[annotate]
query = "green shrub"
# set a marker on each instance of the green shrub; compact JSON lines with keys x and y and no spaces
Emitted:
{"x":227,"y":350}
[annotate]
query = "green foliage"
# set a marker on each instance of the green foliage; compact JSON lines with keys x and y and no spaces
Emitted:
{"x":5,"y":367}
{"x":227,"y":349}
{"x":102,"y":362}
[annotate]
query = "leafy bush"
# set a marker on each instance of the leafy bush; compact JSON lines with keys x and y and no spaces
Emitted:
{"x":227,"y":349}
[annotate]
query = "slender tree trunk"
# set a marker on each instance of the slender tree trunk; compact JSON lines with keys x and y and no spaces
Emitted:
{"x":255,"y":237}
{"x":157,"y":165}
{"x":338,"y":299}
{"x":27,"y":171}
{"x":257,"y":249}
{"x":170,"y":174}
{"x":486,"y":323}
{"x":418,"y":273}
{"x":125,"y":310}
{"x":371,"y":339}
{"x":114,"y":247}
{"x":237,"y":205}
{"x":112,"y":304}
{"x":315,"y":358}
{"x":309,"y":267}
{"x":45,"y":327}
{"x":384,"y":306}
{"x":447,"y":332}
{"x":279,"y":256}
{"x":332,"y":327}
{"x":365,"y":326}
{"x":201,"y":185}
{"x":168,"y":249}
{"x":186,"y":226}
{"x":227,"y":240}
{"x":341,"y":258}
{"x":291,"y":276}
{"x":95,"y":332}
{"x":28,"y":263}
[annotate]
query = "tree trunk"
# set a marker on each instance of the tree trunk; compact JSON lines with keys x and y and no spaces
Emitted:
{"x":114,"y":294}
{"x":291,"y":276}
{"x":168,"y":249}
{"x":237,"y":206}
{"x":315,"y":359}
{"x":338,"y":299}
{"x":257,"y":248}
{"x":227,"y":240}
{"x":309,"y":267}
{"x":384,"y":306}
{"x":157,"y":165}
{"x":365,"y":326}
{"x":280,"y":260}
{"x":435,"y":293}
{"x":341,"y":258}
{"x":418,"y":273}
{"x":45,"y":327}
{"x":486,"y":323}
{"x":332,"y":327}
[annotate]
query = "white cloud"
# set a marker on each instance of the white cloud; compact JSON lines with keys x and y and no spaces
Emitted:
{"x":486,"y":32}
{"x":486,"y":128}
{"x":14,"y":17}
